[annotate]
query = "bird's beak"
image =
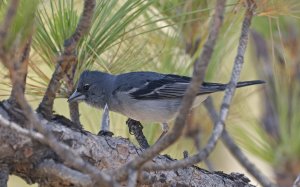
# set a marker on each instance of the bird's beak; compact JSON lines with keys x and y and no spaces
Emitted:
{"x":76,"y":96}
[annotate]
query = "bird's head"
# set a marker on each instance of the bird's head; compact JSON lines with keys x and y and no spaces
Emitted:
{"x":91,"y":88}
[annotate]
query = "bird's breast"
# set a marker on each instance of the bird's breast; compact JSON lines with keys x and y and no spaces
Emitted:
{"x":151,"y":110}
{"x":157,"y":110}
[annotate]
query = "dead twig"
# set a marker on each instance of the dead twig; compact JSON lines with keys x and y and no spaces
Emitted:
{"x":73,"y":106}
{"x":17,"y":128}
{"x":206,"y":161}
{"x":20,"y":69}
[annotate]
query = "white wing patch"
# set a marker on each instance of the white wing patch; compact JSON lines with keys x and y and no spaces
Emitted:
{"x":166,"y":91}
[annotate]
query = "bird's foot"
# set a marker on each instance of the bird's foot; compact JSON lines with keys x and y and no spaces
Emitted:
{"x":105,"y":133}
{"x":136,"y":129}
{"x":134,"y":126}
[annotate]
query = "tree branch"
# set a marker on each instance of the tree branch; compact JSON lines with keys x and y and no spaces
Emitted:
{"x":67,"y":154}
{"x":26,"y":155}
{"x":17,"y":128}
{"x":18,"y":72}
{"x":73,"y":106}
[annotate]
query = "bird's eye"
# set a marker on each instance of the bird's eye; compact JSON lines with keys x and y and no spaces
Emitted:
{"x":86,"y":87}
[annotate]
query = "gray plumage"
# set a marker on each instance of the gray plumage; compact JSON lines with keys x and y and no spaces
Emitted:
{"x":142,"y":96}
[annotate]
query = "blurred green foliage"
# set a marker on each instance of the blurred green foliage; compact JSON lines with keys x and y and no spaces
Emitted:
{"x":22,"y":23}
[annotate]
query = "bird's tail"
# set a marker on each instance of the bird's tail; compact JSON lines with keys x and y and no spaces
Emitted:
{"x":249,"y":83}
{"x":207,"y":88}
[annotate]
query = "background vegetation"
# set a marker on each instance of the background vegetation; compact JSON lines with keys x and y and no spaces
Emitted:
{"x":166,"y":36}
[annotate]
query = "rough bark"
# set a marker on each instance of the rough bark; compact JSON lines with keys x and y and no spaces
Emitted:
{"x":37,"y":163}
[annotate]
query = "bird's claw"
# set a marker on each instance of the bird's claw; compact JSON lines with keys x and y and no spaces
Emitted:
{"x":105,"y":133}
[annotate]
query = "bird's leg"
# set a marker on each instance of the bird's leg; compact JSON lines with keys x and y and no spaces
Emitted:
{"x":135,"y":128}
{"x":105,"y":123}
{"x":165,"y":129}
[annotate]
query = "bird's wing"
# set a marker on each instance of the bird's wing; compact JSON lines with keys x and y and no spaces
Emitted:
{"x":151,"y":85}
{"x":170,"y":86}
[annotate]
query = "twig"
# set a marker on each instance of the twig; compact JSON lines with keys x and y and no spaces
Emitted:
{"x":297,"y":182}
{"x":66,"y":60}
{"x":229,"y":92}
{"x":20,"y":68}
{"x":235,"y":150}
{"x":207,"y":162}
{"x":73,"y":106}
{"x":200,"y":66}
{"x":4,"y":173}
{"x":9,"y":124}
{"x":49,"y":167}
{"x":136,"y":128}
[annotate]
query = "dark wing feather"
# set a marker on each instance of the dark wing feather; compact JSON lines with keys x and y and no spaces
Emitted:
{"x":174,"y":86}
{"x":169,"y":86}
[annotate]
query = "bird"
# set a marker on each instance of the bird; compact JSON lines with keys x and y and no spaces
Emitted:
{"x":142,"y":96}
